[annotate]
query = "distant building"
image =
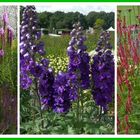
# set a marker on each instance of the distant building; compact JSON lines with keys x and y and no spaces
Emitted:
{"x":54,"y":35}
{"x":90,"y":30}
{"x":111,"y":29}
{"x":60,"y":32}
{"x":63,"y":31}
{"x":43,"y":31}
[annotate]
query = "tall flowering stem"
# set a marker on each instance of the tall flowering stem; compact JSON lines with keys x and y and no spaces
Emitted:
{"x":128,"y":68}
{"x":54,"y":93}
{"x":8,"y":98}
{"x":32,"y":64}
{"x":6,"y":29}
{"x":103,"y":72}
{"x":79,"y":64}
{"x":6,"y":43}
{"x":78,"y":57}
{"x":65,"y":92}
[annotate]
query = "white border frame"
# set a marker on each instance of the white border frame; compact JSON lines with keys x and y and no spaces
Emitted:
{"x":18,"y":84}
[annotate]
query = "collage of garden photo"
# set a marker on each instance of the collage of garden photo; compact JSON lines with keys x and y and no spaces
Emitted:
{"x":69,"y":69}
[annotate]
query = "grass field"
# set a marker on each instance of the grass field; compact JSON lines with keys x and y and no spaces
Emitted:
{"x":57,"y":46}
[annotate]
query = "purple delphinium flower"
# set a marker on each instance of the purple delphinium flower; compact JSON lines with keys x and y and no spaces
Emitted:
{"x":30,"y":46}
{"x":45,"y":62}
{"x":46,"y":89}
{"x":25,"y":81}
{"x":78,"y":57}
{"x":34,"y":68}
{"x":84,"y":70}
{"x":103,"y":72}
{"x":65,"y":91}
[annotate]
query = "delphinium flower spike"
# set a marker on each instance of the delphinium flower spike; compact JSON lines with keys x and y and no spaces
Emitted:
{"x":103,"y":72}
{"x":78,"y":57}
{"x":65,"y":93}
{"x":33,"y":66}
{"x":29,"y":47}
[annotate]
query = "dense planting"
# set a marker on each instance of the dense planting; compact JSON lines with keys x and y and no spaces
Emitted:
{"x":65,"y":96}
{"x":8,"y":77}
{"x":128,"y":70}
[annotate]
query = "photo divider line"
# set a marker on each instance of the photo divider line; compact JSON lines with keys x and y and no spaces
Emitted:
{"x":115,"y":57}
{"x":18,"y":32}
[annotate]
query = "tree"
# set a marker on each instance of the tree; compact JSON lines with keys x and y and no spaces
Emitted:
{"x":61,"y":20}
{"x":44,"y":19}
{"x":99,"y":23}
{"x":91,"y":18}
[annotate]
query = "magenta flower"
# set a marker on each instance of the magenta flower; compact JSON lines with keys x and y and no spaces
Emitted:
{"x":1,"y":53}
{"x":2,"y":36}
{"x":10,"y":34}
{"x":1,"y":31}
{"x":5,"y":18}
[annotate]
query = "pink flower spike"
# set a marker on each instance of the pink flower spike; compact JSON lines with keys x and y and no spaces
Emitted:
{"x":10,"y":35}
{"x":1,"y":53}
{"x":139,"y":17}
{"x":1,"y":31}
{"x":11,"y":31}
{"x":5,"y":18}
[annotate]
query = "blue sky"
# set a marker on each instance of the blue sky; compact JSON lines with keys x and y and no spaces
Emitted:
{"x":84,"y":8}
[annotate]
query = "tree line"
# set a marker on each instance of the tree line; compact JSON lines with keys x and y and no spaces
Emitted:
{"x":62,"y":20}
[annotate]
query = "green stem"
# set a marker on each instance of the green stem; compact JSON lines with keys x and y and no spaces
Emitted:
{"x":34,"y":112}
{"x":39,"y":101}
{"x":77,"y":113}
{"x":100,"y":113}
{"x":82,"y":111}
{"x":130,"y":17}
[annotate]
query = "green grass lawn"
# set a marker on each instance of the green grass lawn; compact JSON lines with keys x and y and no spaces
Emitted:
{"x":57,"y":46}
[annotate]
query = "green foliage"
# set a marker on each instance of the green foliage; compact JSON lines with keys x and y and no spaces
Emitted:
{"x":99,"y":23}
{"x":131,"y":17}
{"x":134,"y":117}
{"x":45,"y":32}
{"x":107,"y":17}
{"x":61,"y":20}
{"x":8,"y":89}
{"x":91,"y":122}
{"x":8,"y":68}
{"x":57,"y":46}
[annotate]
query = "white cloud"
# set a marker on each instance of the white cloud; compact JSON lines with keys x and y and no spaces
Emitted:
{"x":84,"y":8}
